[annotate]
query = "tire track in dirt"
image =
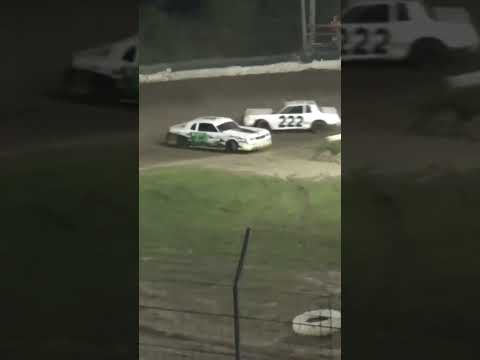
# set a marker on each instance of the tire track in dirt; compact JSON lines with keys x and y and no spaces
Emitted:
{"x":263,"y":164}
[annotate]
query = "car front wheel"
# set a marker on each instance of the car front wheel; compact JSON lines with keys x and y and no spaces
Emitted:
{"x":182,"y":141}
{"x":262,"y":124}
{"x":232,"y":146}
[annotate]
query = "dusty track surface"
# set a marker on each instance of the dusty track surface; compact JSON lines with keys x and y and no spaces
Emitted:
{"x":383,"y":101}
{"x":285,"y":161}
{"x":382,"y":104}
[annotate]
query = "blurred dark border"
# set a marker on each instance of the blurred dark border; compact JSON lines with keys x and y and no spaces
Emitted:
{"x":69,"y":249}
{"x":410,"y":205}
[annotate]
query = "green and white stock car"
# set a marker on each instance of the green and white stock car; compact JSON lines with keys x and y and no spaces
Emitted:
{"x":221,"y":133}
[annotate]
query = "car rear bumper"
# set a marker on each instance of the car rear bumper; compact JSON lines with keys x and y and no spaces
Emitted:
{"x":334,"y":127}
{"x":462,"y":52}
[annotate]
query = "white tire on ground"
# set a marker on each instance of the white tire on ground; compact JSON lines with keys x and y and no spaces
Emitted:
{"x":307,"y":325}
{"x":337,"y":137}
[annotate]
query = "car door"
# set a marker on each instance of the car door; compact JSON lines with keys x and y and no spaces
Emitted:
{"x":308,"y":117}
{"x":367,"y":31}
{"x":206,"y":135}
{"x":290,"y":118}
{"x":192,"y":134}
{"x":404,"y":29}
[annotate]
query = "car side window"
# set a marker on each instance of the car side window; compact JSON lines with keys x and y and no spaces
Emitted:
{"x":402,"y":12}
{"x":130,"y":54}
{"x":194,"y":127}
{"x":365,"y":14}
{"x":308,"y":110}
{"x":293,"y":110}
{"x":206,"y":127}
{"x":353,"y":15}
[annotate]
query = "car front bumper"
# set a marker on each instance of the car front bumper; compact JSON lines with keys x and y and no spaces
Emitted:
{"x":256,"y":146}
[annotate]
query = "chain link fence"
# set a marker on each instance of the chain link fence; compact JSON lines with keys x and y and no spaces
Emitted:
{"x":187,"y":302}
{"x":219,"y":34}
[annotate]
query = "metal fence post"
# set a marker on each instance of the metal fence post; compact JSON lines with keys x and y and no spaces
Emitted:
{"x":235,"y":293}
{"x":313,"y":22}
{"x":304,"y":26}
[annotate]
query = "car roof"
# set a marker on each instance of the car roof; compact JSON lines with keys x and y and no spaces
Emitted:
{"x":215,"y":120}
{"x":300,"y":102}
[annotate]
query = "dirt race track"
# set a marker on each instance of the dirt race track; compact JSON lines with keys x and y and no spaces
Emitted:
{"x":381,"y":103}
{"x":165,"y":104}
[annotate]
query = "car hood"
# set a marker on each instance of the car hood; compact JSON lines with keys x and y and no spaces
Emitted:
{"x":96,"y":59}
{"x":102,"y":51}
{"x":180,"y":126}
{"x":247,"y":132}
{"x":99,"y":59}
{"x":106,"y":50}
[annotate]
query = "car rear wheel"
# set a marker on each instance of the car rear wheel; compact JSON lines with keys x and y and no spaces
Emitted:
{"x":262,"y":124}
{"x":318,"y":126}
{"x":182,"y":141}
{"x":232,"y":146}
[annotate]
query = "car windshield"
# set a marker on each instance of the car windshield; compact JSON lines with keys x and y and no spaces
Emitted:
{"x":229,"y":125}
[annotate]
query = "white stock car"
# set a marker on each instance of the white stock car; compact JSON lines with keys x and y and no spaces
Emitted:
{"x":405,"y":29}
{"x":214,"y":132}
{"x":102,"y":69}
{"x":294,"y":115}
